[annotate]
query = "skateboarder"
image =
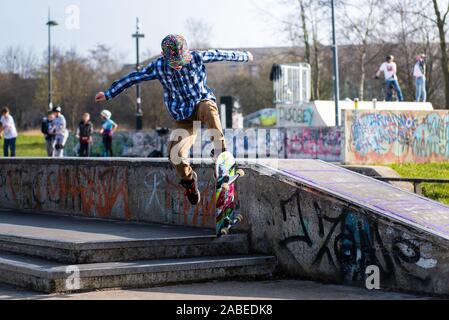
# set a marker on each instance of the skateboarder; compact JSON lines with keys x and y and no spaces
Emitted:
{"x":61,"y":132}
{"x":183,"y":75}
{"x":390,"y":69}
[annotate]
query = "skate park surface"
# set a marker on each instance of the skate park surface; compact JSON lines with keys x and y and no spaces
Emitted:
{"x":125,"y":220}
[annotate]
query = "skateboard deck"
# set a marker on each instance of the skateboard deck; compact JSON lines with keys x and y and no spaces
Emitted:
{"x":226,"y":174}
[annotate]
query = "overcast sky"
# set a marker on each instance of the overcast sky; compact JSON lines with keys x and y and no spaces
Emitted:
{"x":236,"y":23}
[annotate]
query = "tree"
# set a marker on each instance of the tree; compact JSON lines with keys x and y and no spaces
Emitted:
{"x":362,"y":25}
{"x":441,"y":18}
{"x":199,"y":33}
{"x":302,"y":27}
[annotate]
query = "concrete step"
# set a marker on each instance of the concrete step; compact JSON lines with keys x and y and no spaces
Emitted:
{"x":121,"y":251}
{"x":83,"y":241}
{"x":52,"y":277}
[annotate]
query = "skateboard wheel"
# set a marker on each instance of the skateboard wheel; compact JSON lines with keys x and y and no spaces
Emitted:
{"x":239,"y":218}
{"x":241,"y":173}
{"x":224,"y":232}
{"x":225,"y":186}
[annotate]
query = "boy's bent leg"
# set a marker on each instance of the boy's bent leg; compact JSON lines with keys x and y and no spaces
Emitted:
{"x":398,"y":90}
{"x":181,"y":141}
{"x":207,"y":112}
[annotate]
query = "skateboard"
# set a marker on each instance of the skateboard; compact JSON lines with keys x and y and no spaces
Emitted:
{"x":226,"y":174}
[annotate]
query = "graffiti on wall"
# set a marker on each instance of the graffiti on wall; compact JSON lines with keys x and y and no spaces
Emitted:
{"x":165,"y":197}
{"x":387,"y":137}
{"x":345,"y":242}
{"x":314,"y":143}
{"x":92,"y":192}
{"x":107,"y":192}
{"x":281,"y":143}
{"x":295,"y":116}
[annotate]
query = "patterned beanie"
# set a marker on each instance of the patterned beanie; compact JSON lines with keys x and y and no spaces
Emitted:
{"x":176,"y":50}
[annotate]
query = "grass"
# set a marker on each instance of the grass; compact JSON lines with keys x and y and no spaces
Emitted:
{"x":435,"y":191}
{"x":30,"y":145}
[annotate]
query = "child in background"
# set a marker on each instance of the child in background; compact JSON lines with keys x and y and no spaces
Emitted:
{"x":84,"y":134}
{"x":9,"y":130}
{"x":49,"y":133}
{"x":108,"y":128}
{"x":61,"y":132}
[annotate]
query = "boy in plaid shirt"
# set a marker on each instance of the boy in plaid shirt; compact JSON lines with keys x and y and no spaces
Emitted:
{"x":183,"y":76}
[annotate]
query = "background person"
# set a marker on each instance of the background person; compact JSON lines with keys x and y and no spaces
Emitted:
{"x":84,"y":134}
{"x":390,"y":69}
{"x":8,"y":128}
{"x":48,"y":131}
{"x":61,"y":132}
{"x":108,"y":128}
{"x":419,"y":72}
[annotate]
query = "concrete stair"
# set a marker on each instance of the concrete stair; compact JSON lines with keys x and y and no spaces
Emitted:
{"x":62,"y":254}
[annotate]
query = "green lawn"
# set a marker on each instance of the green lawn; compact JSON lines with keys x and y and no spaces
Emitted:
{"x":30,"y":146}
{"x":438,"y":192}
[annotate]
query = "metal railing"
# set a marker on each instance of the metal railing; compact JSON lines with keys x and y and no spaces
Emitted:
{"x":417,"y":182}
{"x":292,"y":84}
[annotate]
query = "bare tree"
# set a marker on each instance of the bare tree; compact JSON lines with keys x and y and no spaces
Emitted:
{"x":199,"y":33}
{"x":18,"y":61}
{"x":441,"y":14}
{"x":362,"y":24}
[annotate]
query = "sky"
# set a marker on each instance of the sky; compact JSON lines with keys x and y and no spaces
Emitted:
{"x":85,"y":23}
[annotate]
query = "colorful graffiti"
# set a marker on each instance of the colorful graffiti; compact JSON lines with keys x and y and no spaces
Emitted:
{"x":281,"y":143}
{"x":106,"y":191}
{"x":314,"y":143}
{"x":92,"y":192}
{"x":396,"y":137}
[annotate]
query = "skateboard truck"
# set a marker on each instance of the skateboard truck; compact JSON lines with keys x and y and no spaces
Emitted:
{"x":228,"y":183}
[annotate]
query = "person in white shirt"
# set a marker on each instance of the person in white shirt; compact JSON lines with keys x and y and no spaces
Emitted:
{"x":61,"y":132}
{"x":419,"y":72}
{"x":390,"y":69}
{"x":8,"y":128}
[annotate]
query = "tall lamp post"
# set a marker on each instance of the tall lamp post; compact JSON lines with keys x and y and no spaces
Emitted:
{"x":335,"y":66}
{"x":50,"y":23}
{"x":139,"y":113}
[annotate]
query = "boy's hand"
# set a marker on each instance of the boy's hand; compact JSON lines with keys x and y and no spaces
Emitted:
{"x":100,"y":97}
{"x":250,"y":57}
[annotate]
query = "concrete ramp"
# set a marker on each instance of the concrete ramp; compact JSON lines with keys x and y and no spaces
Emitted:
{"x":325,"y":222}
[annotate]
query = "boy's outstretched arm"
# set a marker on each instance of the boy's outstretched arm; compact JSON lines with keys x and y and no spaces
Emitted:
{"x":225,"y":55}
{"x":146,"y":74}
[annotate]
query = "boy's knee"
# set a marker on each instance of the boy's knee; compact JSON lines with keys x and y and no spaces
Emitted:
{"x":208,"y":107}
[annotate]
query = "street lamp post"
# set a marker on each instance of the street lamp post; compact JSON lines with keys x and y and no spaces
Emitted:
{"x":335,"y":66}
{"x":50,"y":23}
{"x":139,"y":113}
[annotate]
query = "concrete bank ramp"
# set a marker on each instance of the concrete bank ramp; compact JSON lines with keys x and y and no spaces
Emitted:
{"x":325,"y":222}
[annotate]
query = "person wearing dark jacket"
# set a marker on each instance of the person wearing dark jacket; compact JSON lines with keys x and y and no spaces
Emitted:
{"x":48,"y":131}
{"x":84,"y":134}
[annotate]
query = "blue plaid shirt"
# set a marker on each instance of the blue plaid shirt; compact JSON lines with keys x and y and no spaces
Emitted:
{"x":183,"y":89}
